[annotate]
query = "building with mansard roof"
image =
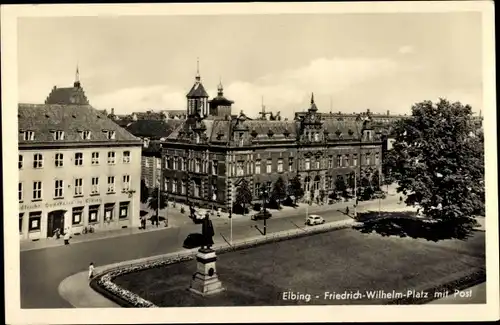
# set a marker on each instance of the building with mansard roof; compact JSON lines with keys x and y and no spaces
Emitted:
{"x":207,"y":156}
{"x":77,"y":168}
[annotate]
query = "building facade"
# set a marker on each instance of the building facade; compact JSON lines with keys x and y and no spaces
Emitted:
{"x":76,"y":168}
{"x":205,"y":158}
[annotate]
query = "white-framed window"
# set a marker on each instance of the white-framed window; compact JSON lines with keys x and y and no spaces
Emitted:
{"x":95,"y":158}
{"x":176,"y":160}
{"x":37,"y":160}
{"x":307,"y":164}
{"x":86,"y":135}
{"x":197,"y":165}
{"x":317,"y":163}
{"x":111,"y":157}
{"x":239,"y":169}
{"x":124,"y":210}
{"x":35,"y":219}
{"x":330,"y":162}
{"x":316,"y":136}
{"x":215,"y":167}
{"x":174,"y":185}
{"x":20,"y":161}
{"x":197,"y":188}
{"x":78,"y":186}
{"x":339,"y":160}
{"x":93,"y":213}
{"x":290,"y":164}
{"x":269,"y":166}
{"x":280,"y":165}
{"x":110,"y":134}
{"x":37,"y":190}
{"x":29,"y":135}
{"x":355,"y":159}
{"x":158,"y":163}
{"x":77,"y":215}
{"x":346,"y":160}
{"x":78,"y":158}
{"x":20,"y":192}
{"x":59,"y":159}
{"x":377,"y":158}
{"x":146,"y":162}
{"x":126,"y":182}
{"x":95,"y":186}
{"x":257,"y":167}
{"x":368,"y":159}
{"x":58,"y":188}
{"x":58,"y":135}
{"x":181,"y":163}
{"x":111,"y":184}
{"x":126,"y":157}
{"x":197,"y":138}
{"x":183,"y":187}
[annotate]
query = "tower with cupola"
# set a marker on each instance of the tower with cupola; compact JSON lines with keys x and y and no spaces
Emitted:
{"x":197,"y":98}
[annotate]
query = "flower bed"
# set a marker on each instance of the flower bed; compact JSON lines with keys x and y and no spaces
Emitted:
{"x":104,"y":285}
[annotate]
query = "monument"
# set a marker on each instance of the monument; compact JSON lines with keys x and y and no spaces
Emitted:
{"x":206,"y":281}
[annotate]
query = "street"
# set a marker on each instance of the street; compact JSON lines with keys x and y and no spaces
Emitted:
{"x":43,"y":269}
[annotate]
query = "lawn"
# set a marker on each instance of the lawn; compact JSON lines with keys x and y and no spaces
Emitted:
{"x":338,"y":261}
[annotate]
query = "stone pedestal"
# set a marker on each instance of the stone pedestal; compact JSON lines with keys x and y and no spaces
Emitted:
{"x":205,"y":281}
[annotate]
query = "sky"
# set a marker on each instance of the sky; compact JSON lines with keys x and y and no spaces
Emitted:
{"x":351,"y":62}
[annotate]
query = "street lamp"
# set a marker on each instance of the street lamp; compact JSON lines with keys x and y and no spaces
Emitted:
{"x":264,"y":194}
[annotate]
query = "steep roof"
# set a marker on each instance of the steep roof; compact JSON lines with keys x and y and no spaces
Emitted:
{"x":67,"y":96}
{"x":153,"y":128}
{"x":44,"y":119}
{"x":198,"y":91}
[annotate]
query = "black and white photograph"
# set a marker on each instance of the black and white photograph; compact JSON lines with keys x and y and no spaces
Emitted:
{"x":338,"y":158}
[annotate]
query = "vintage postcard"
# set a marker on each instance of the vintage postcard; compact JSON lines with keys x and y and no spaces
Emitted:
{"x":250,"y":162}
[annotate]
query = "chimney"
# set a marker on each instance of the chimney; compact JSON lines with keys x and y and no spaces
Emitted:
{"x":112,"y":111}
{"x":388,"y":113}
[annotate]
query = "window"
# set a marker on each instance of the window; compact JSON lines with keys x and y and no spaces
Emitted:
{"x":95,"y":186}
{"x":280,"y":165}
{"x":58,"y":188}
{"x":78,"y":158}
{"x":79,"y":187}
{"x":58,"y":135}
{"x":181,"y":163}
{"x":37,"y":160}
{"x":59,"y":159}
{"x":368,"y":159}
{"x":307,"y":164}
{"x":239,"y":169}
{"x":174,"y":167}
{"x":34,"y":221}
{"x":111,"y":184}
{"x":20,"y":192}
{"x":111,"y":158}
{"x":126,"y":182}
{"x":269,"y":166}
{"x":124,"y":210}
{"x":95,"y":158}
{"x":110,"y":135}
{"x":93,"y":213}
{"x":174,"y":186}
{"x":215,"y":166}
{"x":330,"y":162}
{"x":146,"y":181}
{"x":29,"y":135}
{"x":77,"y":215}
{"x":126,"y":157}
{"x":316,"y":137}
{"x":290,"y":164}
{"x":108,"y":211}
{"x":346,"y":160}
{"x":146,"y":160}
{"x":377,"y":161}
{"x":355,"y":160}
{"x":37,"y":190}
{"x":339,"y":160}
{"x":85,"y":135}
{"x":196,"y":189}
{"x":268,"y":187}
{"x":183,"y":187}
{"x":197,"y":165}
{"x":21,"y":215}
{"x":317,"y":163}
{"x":257,"y":167}
{"x":158,"y":163}
{"x":257,"y":189}
{"x":197,"y":138}
{"x":20,"y":161}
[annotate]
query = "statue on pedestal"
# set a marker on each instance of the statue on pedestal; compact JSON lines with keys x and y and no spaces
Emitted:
{"x":207,"y":231}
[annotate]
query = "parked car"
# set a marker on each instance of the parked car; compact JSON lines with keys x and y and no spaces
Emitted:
{"x":314,"y":219}
{"x":261,"y":215}
{"x":193,"y":240}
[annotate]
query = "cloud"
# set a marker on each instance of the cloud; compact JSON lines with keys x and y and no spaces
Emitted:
{"x":407,"y":49}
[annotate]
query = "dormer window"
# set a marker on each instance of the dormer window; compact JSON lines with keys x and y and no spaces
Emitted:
{"x":85,"y":135}
{"x":58,"y":135}
{"x":29,"y":135}
{"x":110,"y":134}
{"x":270,"y":133}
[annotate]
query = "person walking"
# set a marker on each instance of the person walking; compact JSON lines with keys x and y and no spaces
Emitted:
{"x":347,"y":210}
{"x":67,"y":236}
{"x":400,"y":200}
{"x":91,"y":270}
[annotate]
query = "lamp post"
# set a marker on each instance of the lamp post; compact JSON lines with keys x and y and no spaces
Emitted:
{"x":264,"y":194}
{"x":159,"y":186}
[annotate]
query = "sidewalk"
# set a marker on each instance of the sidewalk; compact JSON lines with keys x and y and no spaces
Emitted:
{"x":76,"y":289}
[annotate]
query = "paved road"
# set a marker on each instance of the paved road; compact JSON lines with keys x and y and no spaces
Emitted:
{"x":42,"y":270}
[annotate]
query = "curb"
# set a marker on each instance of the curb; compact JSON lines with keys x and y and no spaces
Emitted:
{"x":103,"y":281}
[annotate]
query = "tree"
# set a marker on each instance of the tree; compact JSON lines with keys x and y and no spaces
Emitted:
{"x":375,"y":181}
{"x":295,"y":188}
{"x":243,"y":195}
{"x":153,"y":200}
{"x":144,"y":192}
{"x":340,"y":185}
{"x":438,"y":162}
{"x":279,"y":190}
